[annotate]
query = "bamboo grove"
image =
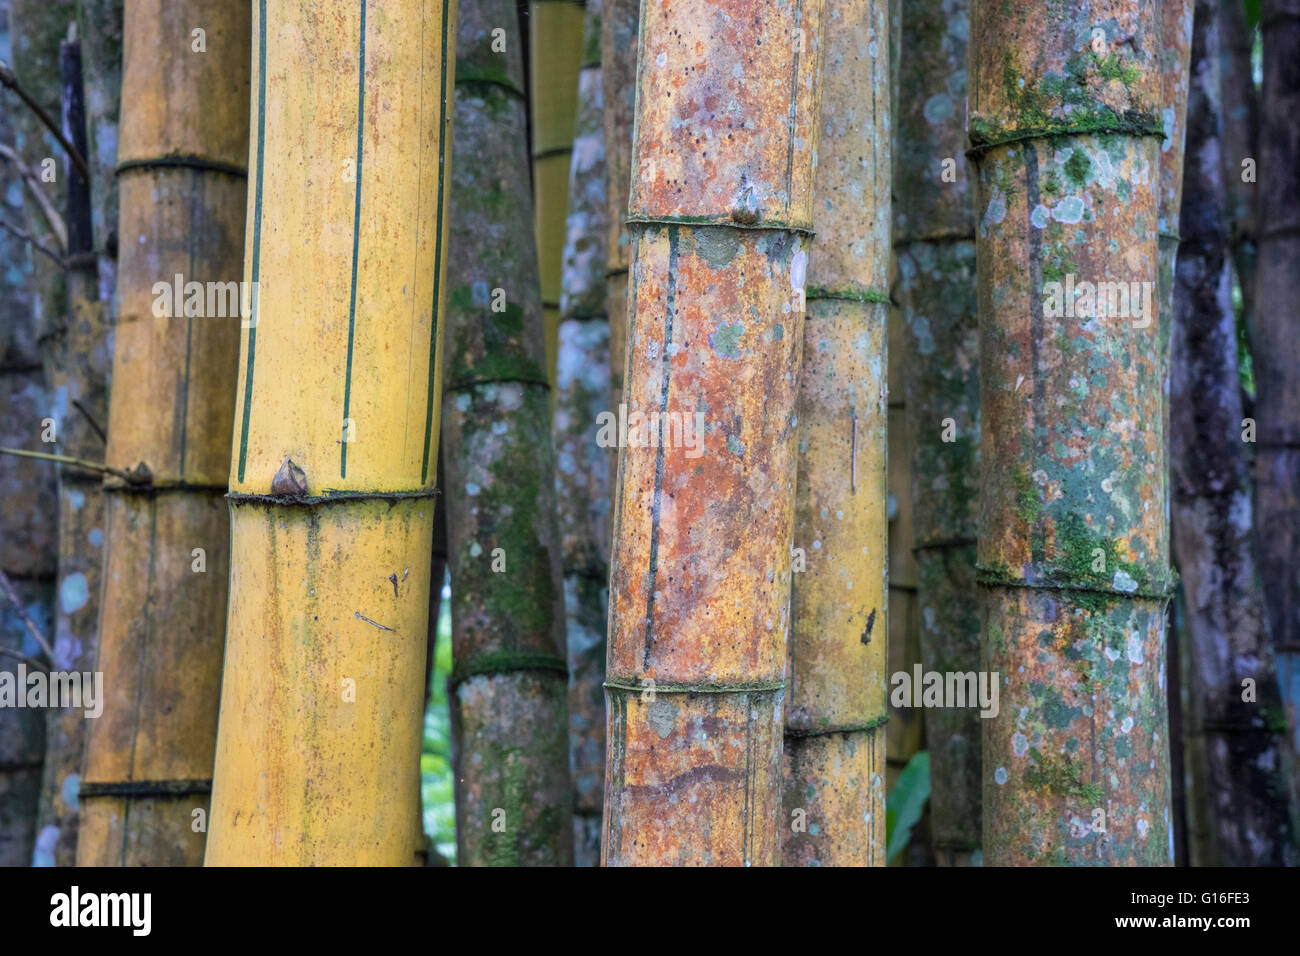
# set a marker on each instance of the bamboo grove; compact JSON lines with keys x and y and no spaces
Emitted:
{"x":849,"y":432}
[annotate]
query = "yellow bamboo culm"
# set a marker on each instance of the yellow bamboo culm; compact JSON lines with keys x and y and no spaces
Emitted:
{"x":184,"y":141}
{"x":834,"y":757}
{"x":336,"y":435}
{"x":555,"y":44}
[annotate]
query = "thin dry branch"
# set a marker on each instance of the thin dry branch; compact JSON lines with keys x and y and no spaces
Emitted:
{"x":52,"y":217}
{"x":140,"y":476}
{"x":32,"y":629}
{"x":10,"y":81}
{"x":36,"y":244}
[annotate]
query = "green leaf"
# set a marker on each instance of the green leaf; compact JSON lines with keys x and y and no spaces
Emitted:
{"x":1252,"y":13}
{"x":905,"y":804}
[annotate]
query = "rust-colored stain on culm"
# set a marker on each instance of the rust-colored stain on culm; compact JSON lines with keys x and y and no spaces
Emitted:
{"x":728,"y":108}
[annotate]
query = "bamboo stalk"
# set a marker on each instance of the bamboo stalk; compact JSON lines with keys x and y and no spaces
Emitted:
{"x":78,"y":362}
{"x":183,"y":144}
{"x":834,"y":760}
{"x":1073,"y":549}
{"x":700,"y":577}
{"x":905,"y":731}
{"x":100,"y":29}
{"x":1239,"y":112}
{"x":75,"y":360}
{"x":935,"y":244}
{"x":555,"y":42}
{"x":1175,"y":46}
{"x":28,"y":543}
{"x":331,"y":471}
{"x":39,"y":26}
{"x":1277,"y":349}
{"x":618,"y":48}
{"x":582,"y":465}
{"x":1242,"y":726}
{"x":508,"y":687}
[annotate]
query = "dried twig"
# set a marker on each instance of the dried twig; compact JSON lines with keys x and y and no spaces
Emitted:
{"x":15,"y":231}
{"x":32,"y":629}
{"x":10,"y":81}
{"x":26,"y":659}
{"x":91,"y":420}
{"x":853,"y":455}
{"x":52,"y":217}
{"x":140,"y":476}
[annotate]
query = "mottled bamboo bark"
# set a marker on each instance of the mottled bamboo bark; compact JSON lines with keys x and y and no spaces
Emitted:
{"x":935,"y":245}
{"x":1192,"y":828}
{"x":27,"y":557}
{"x":833,"y":785}
{"x":1242,"y":723}
{"x":1239,"y":141}
{"x":1175,"y":47}
{"x":513,"y":800}
{"x":1175,"y":51}
{"x":582,"y":465}
{"x":181,"y":175}
{"x":100,"y":29}
{"x":618,"y":49}
{"x":333,"y":464}
{"x":78,"y":360}
{"x":74,"y":347}
{"x":721,"y":205}
{"x":1073,"y":535}
{"x":556,"y":48}
{"x":28,"y":544}
{"x":906,"y":728}
{"x":38,"y":28}
{"x":1277,"y":349}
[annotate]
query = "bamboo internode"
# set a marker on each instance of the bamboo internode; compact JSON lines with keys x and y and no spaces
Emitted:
{"x":184,"y":140}
{"x":508,"y":687}
{"x":1074,"y":537}
{"x":333,"y":459}
{"x":935,"y":244}
{"x":721,"y":208}
{"x":834,"y":779}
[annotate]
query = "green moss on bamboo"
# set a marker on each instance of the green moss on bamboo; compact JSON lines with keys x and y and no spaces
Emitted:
{"x":1060,"y":776}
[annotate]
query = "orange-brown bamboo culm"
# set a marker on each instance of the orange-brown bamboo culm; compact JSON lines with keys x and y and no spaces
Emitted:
{"x":184,"y":143}
{"x":834,"y":762}
{"x":720,"y":213}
